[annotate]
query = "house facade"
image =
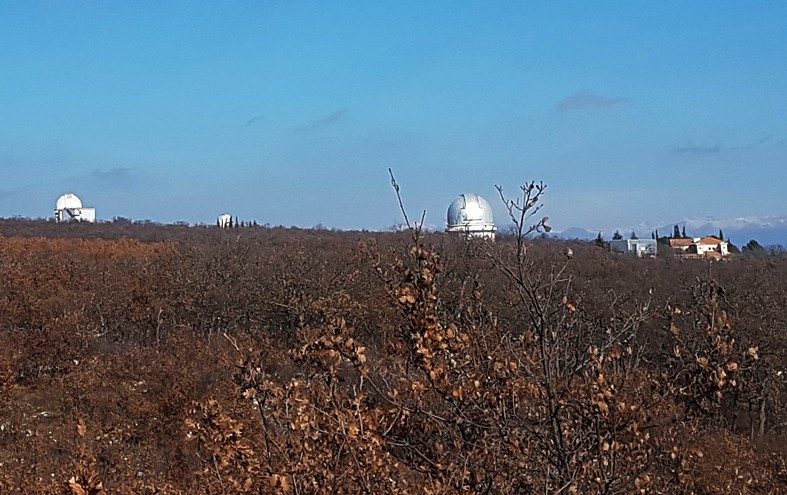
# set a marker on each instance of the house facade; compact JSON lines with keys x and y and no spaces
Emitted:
{"x":712,"y":244}
{"x":700,"y":247}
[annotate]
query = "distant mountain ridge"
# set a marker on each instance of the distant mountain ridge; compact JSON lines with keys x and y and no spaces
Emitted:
{"x":578,"y":233}
{"x":767,"y":230}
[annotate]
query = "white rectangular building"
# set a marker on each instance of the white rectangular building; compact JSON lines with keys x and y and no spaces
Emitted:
{"x":641,"y":248}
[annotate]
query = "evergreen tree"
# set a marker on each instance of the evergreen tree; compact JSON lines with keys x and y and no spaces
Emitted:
{"x":653,"y":235}
{"x":684,"y":232}
{"x":633,"y":235}
{"x":676,"y":232}
{"x":657,"y":234}
{"x":229,"y":224}
{"x":599,"y":240}
{"x":753,"y":247}
{"x":617,"y":236}
{"x":721,"y":234}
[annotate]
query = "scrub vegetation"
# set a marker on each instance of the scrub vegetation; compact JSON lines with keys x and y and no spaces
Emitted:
{"x":179,"y":360}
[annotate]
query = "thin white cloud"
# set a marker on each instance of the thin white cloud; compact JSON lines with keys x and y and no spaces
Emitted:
{"x":115,"y":173}
{"x":706,"y":149}
{"x":588,"y":100}
{"x":253,"y":120}
{"x":696,"y":149}
{"x":750,"y":146}
{"x":323,"y":122}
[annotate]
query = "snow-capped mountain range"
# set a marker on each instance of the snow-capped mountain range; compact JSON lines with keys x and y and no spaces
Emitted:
{"x":767,"y":230}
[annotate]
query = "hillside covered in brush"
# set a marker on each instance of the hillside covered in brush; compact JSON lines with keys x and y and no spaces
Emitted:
{"x":180,"y":360}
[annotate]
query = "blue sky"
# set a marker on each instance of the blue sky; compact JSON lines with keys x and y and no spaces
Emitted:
{"x":291,"y":112}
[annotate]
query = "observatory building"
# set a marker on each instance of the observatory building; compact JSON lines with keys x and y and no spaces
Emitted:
{"x":641,"y":248}
{"x":69,"y":207}
{"x":472,"y":215}
{"x":224,"y":221}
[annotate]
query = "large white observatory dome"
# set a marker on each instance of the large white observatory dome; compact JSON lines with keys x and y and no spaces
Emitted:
{"x":471,"y":214}
{"x":68,"y":201}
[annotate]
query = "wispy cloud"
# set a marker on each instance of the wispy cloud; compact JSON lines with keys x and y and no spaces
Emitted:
{"x":323,"y":122}
{"x":588,"y":100}
{"x":696,"y":149}
{"x":706,"y":149}
{"x":111,"y":174}
{"x":750,"y":146}
{"x":253,"y":120}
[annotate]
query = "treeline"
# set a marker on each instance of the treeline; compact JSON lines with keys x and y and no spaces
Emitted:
{"x":752,"y":247}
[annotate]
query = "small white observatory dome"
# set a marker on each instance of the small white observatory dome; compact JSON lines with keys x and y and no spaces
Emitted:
{"x":471,"y":214}
{"x":68,"y":201}
{"x":69,"y":207}
{"x":224,"y":220}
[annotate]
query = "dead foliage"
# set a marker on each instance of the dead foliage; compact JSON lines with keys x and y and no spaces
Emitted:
{"x":270,"y":360}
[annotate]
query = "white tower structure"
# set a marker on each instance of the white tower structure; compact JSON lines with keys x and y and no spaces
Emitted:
{"x":224,"y":221}
{"x":472,"y":215}
{"x":69,"y":207}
